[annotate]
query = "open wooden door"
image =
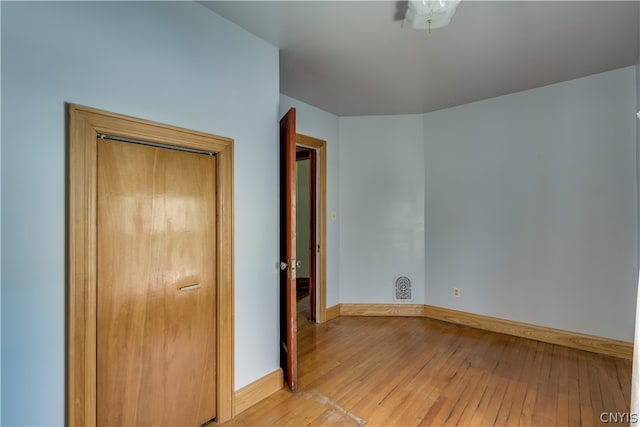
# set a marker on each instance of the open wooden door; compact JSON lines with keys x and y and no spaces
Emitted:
{"x":288,"y":265}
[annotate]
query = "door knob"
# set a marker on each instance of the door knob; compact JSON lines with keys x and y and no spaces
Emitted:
{"x":294,"y":263}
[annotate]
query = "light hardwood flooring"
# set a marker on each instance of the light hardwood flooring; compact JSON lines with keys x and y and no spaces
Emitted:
{"x":303,"y":314}
{"x":382,"y":371}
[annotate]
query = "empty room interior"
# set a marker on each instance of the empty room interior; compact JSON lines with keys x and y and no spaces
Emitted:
{"x":466,"y":198}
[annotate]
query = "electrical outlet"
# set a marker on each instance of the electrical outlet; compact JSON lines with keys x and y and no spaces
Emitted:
{"x":456,"y":292}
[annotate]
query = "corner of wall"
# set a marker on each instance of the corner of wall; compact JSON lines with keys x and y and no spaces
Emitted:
{"x":635,"y":387}
{"x":0,"y":224}
{"x":638,"y":147}
{"x":386,"y":188}
{"x":424,"y":207}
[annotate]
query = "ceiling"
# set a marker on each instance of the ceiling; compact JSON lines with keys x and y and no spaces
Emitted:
{"x":354,"y":57}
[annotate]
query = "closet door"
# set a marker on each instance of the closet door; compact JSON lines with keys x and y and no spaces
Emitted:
{"x":156,"y":286}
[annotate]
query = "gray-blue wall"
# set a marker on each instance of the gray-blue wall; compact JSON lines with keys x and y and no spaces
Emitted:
{"x":530,"y":206}
{"x":173,"y":62}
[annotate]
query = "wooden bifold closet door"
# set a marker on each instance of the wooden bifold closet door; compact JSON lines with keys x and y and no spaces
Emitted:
{"x":156,"y":286}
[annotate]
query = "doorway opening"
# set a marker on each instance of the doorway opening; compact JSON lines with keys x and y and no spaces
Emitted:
{"x":311,"y":230}
{"x":306,"y":236}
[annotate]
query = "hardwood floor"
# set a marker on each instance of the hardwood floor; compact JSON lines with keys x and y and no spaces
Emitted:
{"x":356,"y":371}
{"x":303,"y":314}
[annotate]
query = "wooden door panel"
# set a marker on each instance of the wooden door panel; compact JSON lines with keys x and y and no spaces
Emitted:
{"x":156,"y":234}
{"x":288,"y":312}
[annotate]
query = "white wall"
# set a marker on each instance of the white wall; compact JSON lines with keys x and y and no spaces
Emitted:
{"x":319,"y":124}
{"x":382,"y":203}
{"x":176,"y":63}
{"x":531,"y":206}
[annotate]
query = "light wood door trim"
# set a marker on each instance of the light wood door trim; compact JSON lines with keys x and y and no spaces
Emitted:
{"x":84,"y":124}
{"x":321,"y":149}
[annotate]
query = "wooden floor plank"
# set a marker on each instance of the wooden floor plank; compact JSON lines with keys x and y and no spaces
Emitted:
{"x":545,"y":407}
{"x":514,"y":373}
{"x":560,"y":370}
{"x":384,"y":371}
{"x":419,"y":393}
{"x":522,"y":386}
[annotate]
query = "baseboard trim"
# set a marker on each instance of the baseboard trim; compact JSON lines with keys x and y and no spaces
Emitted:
{"x":575,"y":340}
{"x":404,"y":310}
{"x":594,"y":344}
{"x":258,"y":390}
{"x":333,"y":312}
